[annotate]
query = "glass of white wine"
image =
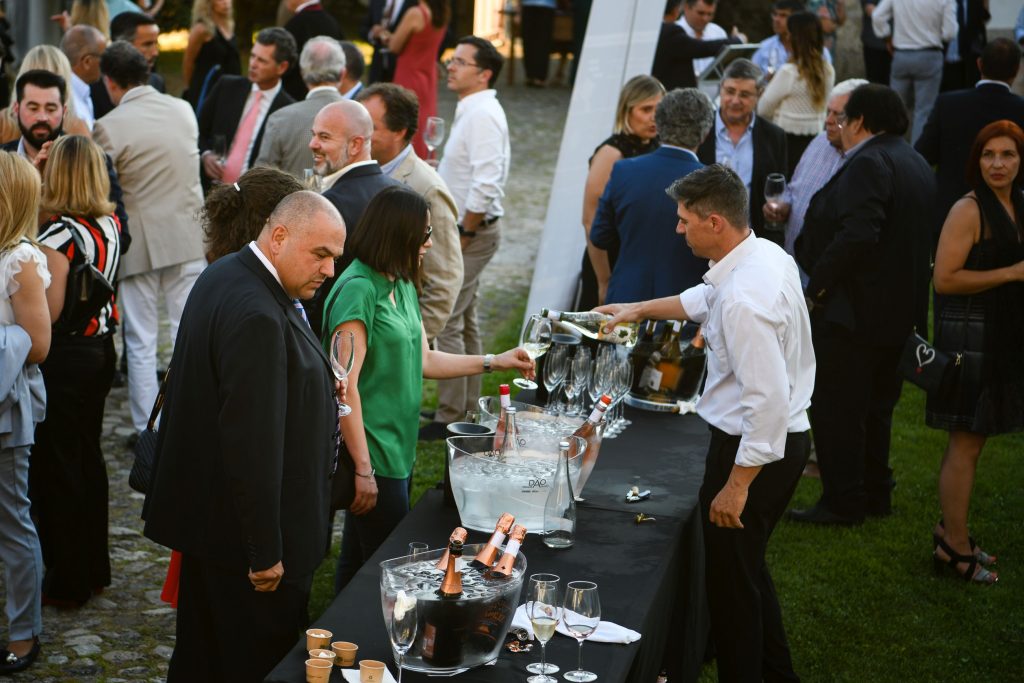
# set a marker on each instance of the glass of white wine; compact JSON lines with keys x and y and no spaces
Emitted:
{"x":536,"y":341}
{"x":433,"y":136}
{"x":543,"y":606}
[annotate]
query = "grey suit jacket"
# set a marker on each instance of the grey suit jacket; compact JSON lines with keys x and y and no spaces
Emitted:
{"x":153,"y":140}
{"x":442,"y":265}
{"x":286,"y":136}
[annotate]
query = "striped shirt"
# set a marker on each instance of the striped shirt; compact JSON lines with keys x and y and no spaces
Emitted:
{"x":102,"y":240}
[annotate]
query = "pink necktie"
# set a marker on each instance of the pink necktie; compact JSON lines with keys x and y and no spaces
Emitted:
{"x":240,"y":145}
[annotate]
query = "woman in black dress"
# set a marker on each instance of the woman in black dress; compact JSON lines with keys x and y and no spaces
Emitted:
{"x":979,"y":271}
{"x":212,"y":49}
{"x":634,"y":134}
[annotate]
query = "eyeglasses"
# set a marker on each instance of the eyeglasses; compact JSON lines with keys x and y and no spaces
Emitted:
{"x":841,"y":118}
{"x":460,"y":62}
{"x":428,"y":233}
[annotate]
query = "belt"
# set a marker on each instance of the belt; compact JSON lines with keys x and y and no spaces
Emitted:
{"x":489,"y":221}
{"x":919,"y":49}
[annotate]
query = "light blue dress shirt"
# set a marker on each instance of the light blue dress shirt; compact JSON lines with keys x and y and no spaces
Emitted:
{"x":738,"y":157}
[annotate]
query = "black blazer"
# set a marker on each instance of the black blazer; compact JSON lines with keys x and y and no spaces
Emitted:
{"x":116,"y":194}
{"x":674,"y":55}
{"x":769,"y":157}
{"x":221,"y":113}
{"x":101,"y":104}
{"x":245,"y":450}
{"x":947,"y":138}
{"x":350,"y":195}
{"x":866,"y":243}
{"x":382,"y":66}
{"x":309,"y":23}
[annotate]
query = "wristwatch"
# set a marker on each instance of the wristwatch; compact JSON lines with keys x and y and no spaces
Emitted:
{"x":488,"y":359}
{"x":466,"y":233}
{"x":366,"y":476}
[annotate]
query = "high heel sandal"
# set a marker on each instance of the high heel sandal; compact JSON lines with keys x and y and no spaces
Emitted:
{"x":974,"y":573}
{"x":984,"y":559}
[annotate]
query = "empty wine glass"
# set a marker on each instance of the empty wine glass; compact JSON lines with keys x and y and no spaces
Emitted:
{"x":536,"y":341}
{"x":774,"y":191}
{"x":556,"y":365}
{"x":219,"y":147}
{"x":598,"y":384}
{"x":311,"y":180}
{"x":402,"y":628}
{"x":417,"y":548}
{"x":544,"y":608}
{"x":581,"y":379}
{"x":343,"y":345}
{"x":581,"y":615}
{"x":433,"y":136}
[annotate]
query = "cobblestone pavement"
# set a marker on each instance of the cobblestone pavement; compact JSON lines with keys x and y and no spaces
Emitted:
{"x":127,"y":634}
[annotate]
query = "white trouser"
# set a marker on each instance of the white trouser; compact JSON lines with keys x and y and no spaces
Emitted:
{"x":137,"y":298}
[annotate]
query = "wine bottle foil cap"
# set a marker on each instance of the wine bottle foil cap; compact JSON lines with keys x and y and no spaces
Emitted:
{"x":503,"y":389}
{"x":505,"y":522}
{"x":563,"y":445}
{"x":459,"y":535}
{"x":518,"y":533}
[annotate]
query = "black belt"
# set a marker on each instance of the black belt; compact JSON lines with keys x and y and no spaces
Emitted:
{"x":489,"y":221}
{"x":919,"y":49}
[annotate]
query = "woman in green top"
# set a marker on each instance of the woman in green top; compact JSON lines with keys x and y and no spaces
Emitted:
{"x":379,"y":306}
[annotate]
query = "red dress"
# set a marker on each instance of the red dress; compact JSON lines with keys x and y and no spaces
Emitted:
{"x":417,"y":70}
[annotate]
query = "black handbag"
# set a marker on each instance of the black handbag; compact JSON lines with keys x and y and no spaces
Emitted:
{"x":88,"y":291}
{"x":145,"y":448}
{"x":924,"y":365}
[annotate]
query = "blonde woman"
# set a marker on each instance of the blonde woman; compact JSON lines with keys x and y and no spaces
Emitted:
{"x":90,"y":12}
{"x":47,"y":58}
{"x":69,"y":477}
{"x":212,"y":49}
{"x":24,"y":342}
{"x":795,"y":98}
{"x":634,"y":134}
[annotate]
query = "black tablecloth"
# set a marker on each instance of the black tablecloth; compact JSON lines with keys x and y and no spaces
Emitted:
{"x":650,"y":576}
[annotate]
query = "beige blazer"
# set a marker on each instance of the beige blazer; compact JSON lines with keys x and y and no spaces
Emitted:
{"x":153,"y":140}
{"x":442,"y":266}
{"x":286,"y":136}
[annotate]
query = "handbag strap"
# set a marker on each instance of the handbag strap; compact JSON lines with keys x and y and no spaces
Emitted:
{"x":158,"y":404}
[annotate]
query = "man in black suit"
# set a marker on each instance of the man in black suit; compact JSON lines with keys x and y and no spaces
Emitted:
{"x":310,"y":20}
{"x":142,"y":32}
{"x":351,"y":178}
{"x":383,"y":15}
{"x":237,"y":108}
{"x":751,"y":145}
{"x":865,"y":244}
{"x":674,"y":55}
{"x":961,"y":69}
{"x":958,"y":116}
{"x":246,"y":448}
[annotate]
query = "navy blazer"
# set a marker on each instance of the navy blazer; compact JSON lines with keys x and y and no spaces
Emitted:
{"x":246,"y":443}
{"x":654,"y":261}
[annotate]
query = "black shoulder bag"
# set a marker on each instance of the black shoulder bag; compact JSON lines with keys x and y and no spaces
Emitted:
{"x":145,"y":448}
{"x":88,"y":291}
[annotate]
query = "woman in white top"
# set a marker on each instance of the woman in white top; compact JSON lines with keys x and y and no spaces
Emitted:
{"x":795,"y":98}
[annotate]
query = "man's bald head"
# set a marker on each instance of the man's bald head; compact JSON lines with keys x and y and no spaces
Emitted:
{"x":83,"y":45}
{"x":341,"y":136}
{"x":302,"y":238}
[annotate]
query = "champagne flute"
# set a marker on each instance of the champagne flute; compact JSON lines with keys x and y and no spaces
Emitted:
{"x":536,"y":341}
{"x":402,"y":628}
{"x":544,"y":607}
{"x":581,"y":615}
{"x":310,"y":179}
{"x":219,"y":147}
{"x":580,"y":377}
{"x":774,"y":190}
{"x":343,"y":345}
{"x":556,"y":365}
{"x":433,"y":136}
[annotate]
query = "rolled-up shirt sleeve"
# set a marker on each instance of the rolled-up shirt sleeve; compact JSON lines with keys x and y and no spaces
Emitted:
{"x":695,"y":303}
{"x":488,"y":158}
{"x":757,"y":358}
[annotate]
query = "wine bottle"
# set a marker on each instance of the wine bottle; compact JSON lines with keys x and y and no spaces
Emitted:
{"x":669,"y":368}
{"x":508,"y":447}
{"x":505,"y":396}
{"x":451,"y":584}
{"x":508,"y":559}
{"x":588,"y":430}
{"x":444,"y":621}
{"x":560,"y":507}
{"x":692,"y":365}
{"x":459,"y":534}
{"x":591,"y":324}
{"x":489,"y":553}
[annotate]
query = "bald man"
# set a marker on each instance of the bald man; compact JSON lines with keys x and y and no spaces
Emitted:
{"x":247,"y":438}
{"x":83,"y":45}
{"x":351,"y":178}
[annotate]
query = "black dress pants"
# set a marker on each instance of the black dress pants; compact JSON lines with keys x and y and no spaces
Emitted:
{"x":856,"y":388}
{"x":877,"y":65}
{"x":538,"y":25}
{"x":226,"y":630}
{"x":67,"y":474}
{"x":746,"y":621}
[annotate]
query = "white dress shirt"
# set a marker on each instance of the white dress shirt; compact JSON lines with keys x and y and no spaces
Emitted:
{"x":711,"y":32}
{"x":916,"y":24}
{"x":82,"y":97}
{"x":477,"y":155}
{"x":265,"y":102}
{"x":758,"y":338}
{"x":266,"y":262}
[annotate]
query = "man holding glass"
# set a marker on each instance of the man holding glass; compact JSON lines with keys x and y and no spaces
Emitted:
{"x":759,"y":383}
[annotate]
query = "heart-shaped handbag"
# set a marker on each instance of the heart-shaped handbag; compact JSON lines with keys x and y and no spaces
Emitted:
{"x":924,"y":365}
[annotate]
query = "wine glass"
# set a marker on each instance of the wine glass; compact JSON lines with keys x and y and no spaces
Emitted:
{"x":556,"y":365}
{"x":536,"y":340}
{"x":402,"y":628}
{"x":774,"y":190}
{"x":598,"y":383}
{"x":219,"y":147}
{"x":580,"y":377}
{"x":343,"y":346}
{"x":417,"y":548}
{"x":581,"y":615}
{"x":433,"y":136}
{"x":311,"y":180}
{"x":544,"y":608}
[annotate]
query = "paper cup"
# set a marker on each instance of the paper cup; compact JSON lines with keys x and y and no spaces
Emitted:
{"x":327,"y":655}
{"x":318,"y":639}
{"x":371,"y":671}
{"x":346,"y":653}
{"x":318,"y":670}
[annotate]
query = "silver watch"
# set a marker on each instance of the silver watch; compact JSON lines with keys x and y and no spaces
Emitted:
{"x":488,"y":359}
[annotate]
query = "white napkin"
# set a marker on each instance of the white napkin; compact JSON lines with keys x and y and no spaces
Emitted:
{"x":352,"y":675}
{"x":686,"y":407}
{"x":606,"y":632}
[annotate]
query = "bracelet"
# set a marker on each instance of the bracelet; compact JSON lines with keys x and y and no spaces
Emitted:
{"x":466,"y":233}
{"x":488,"y":359}
{"x":366,"y":476}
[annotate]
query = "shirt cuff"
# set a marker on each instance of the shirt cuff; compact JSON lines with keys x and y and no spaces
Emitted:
{"x":695,"y":303}
{"x":755,"y":454}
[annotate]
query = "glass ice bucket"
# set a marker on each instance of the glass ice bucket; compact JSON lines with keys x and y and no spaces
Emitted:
{"x":544,"y":430}
{"x":484,"y":486}
{"x":452,"y":635}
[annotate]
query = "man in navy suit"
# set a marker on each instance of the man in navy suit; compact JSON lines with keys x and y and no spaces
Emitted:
{"x":957,"y":117}
{"x":654,"y":261}
{"x":383,"y":15}
{"x":310,"y":20}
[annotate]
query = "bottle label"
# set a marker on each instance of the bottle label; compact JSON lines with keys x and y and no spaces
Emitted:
{"x":598,"y":412}
{"x":650,"y":379}
{"x":506,"y":400}
{"x":512,"y":547}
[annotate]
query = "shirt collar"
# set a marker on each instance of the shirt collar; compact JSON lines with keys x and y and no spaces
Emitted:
{"x":856,"y":148}
{"x":333,"y":178}
{"x":21,"y":148}
{"x":266,"y":262}
{"x":681,"y":149}
{"x":719,"y":270}
{"x":80,"y":87}
{"x":269,"y":93}
{"x":720,"y":122}
{"x":390,"y":167}
{"x":352,"y":93}
{"x":986,"y":81}
{"x":476,"y":99}
{"x":320,"y":88}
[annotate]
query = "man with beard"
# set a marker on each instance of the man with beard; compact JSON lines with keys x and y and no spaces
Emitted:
{"x":40,"y":112}
{"x":142,"y":32}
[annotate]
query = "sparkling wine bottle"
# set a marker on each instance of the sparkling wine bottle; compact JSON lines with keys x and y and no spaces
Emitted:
{"x":591,"y":324}
{"x":692,"y":366}
{"x":445,"y":625}
{"x":489,"y":553}
{"x":451,"y":584}
{"x":508,"y":558}
{"x":588,"y":431}
{"x":458,"y":534}
{"x":560,"y":508}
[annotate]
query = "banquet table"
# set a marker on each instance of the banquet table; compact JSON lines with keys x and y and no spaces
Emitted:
{"x":650,"y":575}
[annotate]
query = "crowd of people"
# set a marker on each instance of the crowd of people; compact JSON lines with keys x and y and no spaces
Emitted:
{"x":273,"y":210}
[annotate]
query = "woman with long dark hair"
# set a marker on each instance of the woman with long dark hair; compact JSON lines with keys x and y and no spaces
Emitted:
{"x":979,"y":273}
{"x":212,"y":49}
